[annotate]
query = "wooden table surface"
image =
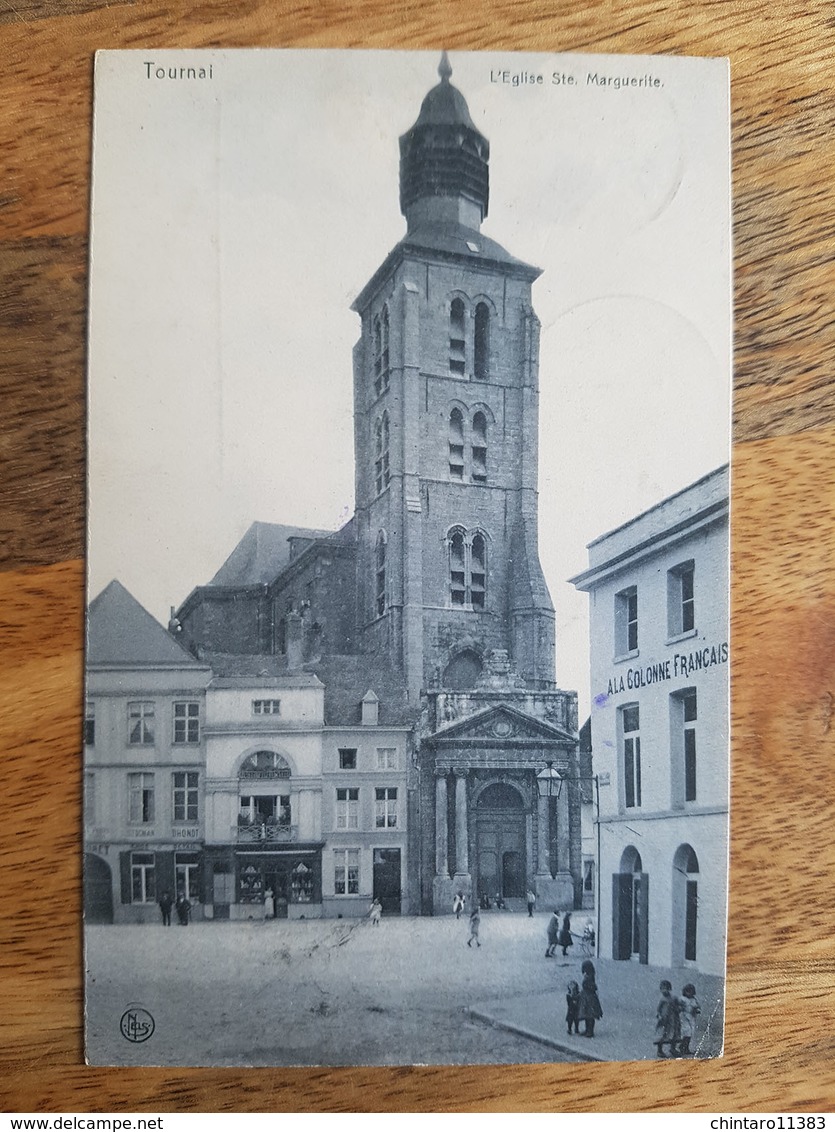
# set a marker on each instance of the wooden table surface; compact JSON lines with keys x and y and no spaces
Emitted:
{"x":780,"y":1042}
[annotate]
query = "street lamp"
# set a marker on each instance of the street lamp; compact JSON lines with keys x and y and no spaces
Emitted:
{"x":549,"y":782}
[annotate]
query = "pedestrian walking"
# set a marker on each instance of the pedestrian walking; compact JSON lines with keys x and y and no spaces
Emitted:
{"x":666,"y":1020}
{"x":530,"y":896}
{"x":269,"y":905}
{"x":565,"y":934}
{"x":375,"y":912}
{"x":589,"y":1008}
{"x":475,"y":924}
{"x":552,"y":932}
{"x":572,"y":1003}
{"x":689,"y":1010}
{"x":166,"y":903}
{"x":183,"y":907}
{"x":458,"y":904}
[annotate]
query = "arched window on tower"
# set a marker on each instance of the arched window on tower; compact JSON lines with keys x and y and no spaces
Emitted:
{"x":479,"y":465}
{"x":481,"y":343}
{"x":381,"y":454}
{"x":381,"y":352}
{"x":456,"y":444}
{"x":380,"y":574}
{"x":457,"y":568}
{"x":457,"y":347}
{"x":467,"y":569}
{"x":478,"y":572}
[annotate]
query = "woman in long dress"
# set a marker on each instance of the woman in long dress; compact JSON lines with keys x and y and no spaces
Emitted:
{"x":269,"y":905}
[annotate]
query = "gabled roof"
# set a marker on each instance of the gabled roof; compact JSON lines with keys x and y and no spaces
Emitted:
{"x":122,"y":633}
{"x":505,"y":723}
{"x":261,"y":554}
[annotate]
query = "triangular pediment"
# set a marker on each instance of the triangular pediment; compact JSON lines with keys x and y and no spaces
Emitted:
{"x":501,"y":723}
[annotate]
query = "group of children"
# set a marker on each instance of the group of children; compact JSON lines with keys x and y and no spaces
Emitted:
{"x":675,"y":1024}
{"x":675,"y":1020}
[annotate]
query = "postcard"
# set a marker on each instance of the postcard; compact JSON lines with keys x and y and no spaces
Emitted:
{"x":406,"y":734}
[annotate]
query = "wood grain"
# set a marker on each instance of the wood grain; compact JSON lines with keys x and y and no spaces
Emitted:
{"x":779,"y":1041}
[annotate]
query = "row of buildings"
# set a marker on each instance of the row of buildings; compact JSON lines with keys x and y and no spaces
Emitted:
{"x":373,"y":712}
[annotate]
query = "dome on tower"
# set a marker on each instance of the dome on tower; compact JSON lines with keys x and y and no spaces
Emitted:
{"x":443,"y":155}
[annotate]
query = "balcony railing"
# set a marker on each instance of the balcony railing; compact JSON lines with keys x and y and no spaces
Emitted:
{"x":264,"y":831}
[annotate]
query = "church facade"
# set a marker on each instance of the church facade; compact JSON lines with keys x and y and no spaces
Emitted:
{"x":430,"y":602}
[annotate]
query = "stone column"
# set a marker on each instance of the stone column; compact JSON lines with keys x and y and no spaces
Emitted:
{"x":441,"y":847}
{"x":442,"y":885}
{"x":563,"y":831}
{"x":543,"y":837}
{"x":462,"y":850}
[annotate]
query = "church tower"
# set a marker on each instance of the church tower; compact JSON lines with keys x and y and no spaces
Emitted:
{"x":446,"y":428}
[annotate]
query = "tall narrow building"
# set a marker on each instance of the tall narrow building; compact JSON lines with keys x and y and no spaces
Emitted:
{"x":446,"y":408}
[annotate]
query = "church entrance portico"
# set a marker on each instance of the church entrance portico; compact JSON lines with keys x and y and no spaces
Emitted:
{"x":493,"y":834}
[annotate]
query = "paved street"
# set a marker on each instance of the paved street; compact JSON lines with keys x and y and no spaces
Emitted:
{"x":337,"y":992}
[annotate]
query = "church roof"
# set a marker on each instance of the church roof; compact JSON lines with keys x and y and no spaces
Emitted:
{"x":261,"y":554}
{"x":445,"y":105}
{"x":121,"y":632}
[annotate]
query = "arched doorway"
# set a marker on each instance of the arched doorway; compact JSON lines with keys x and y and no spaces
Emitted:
{"x":630,"y":913}
{"x":98,"y":890}
{"x":500,"y":842}
{"x":685,"y":890}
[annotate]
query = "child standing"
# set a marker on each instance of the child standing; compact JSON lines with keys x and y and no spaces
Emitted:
{"x":572,"y":1002}
{"x":589,"y":1008}
{"x":666,"y":1020}
{"x":475,"y":923}
{"x":689,"y":1010}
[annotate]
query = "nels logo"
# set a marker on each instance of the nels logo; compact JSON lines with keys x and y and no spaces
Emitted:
{"x":136,"y":1024}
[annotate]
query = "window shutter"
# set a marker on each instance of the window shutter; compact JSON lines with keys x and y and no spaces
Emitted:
{"x":643,"y":917}
{"x":124,"y":876}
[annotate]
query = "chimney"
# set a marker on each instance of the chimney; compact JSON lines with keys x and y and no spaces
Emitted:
{"x":294,"y":640}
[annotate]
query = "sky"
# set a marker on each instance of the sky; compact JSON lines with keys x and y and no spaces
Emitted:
{"x":235,"y":219}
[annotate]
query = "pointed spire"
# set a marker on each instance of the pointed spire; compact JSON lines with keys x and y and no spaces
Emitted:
{"x":444,"y":68}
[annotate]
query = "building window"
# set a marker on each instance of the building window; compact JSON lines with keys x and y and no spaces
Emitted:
{"x":187,"y":723}
{"x":381,"y":352}
{"x":382,"y":474}
{"x":89,"y":724}
{"x":481,"y":344}
{"x":479,"y":449}
{"x":457,"y":347}
{"x":588,"y":876}
{"x":681,"y":610}
{"x":386,"y":758}
{"x":347,"y":808}
{"x":347,"y":758}
{"x":683,"y":714}
{"x":346,"y":872}
{"x":266,"y":707}
{"x":467,"y":569}
{"x":140,"y":798}
{"x":185,"y":795}
{"x":457,"y":569}
{"x":380,"y":574}
{"x":478,"y":572}
{"x":187,"y":875}
{"x":142,"y":879}
{"x":141,"y":723}
{"x":456,"y":445}
{"x":385,"y":807}
{"x":89,"y":798}
{"x":630,"y":726}
{"x":264,"y":765}
{"x":264,"y":810}
{"x":626,"y":621}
